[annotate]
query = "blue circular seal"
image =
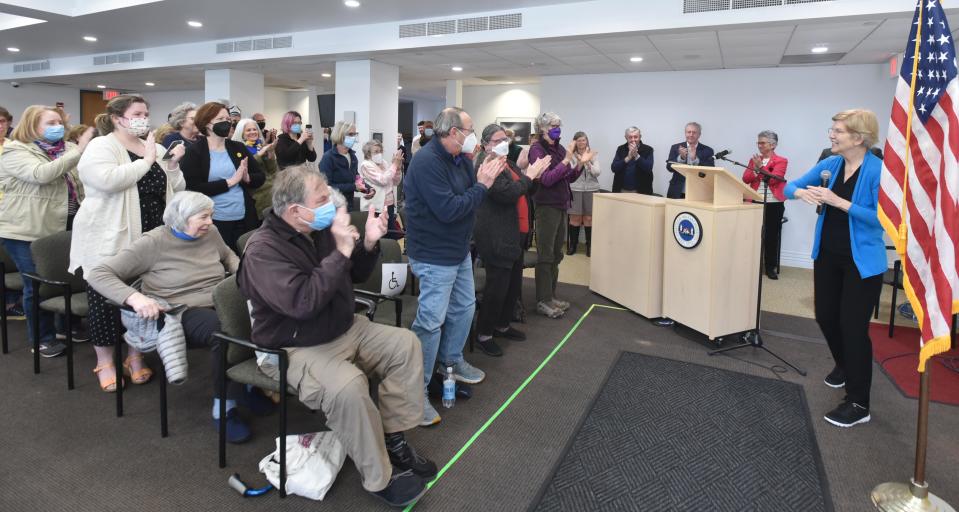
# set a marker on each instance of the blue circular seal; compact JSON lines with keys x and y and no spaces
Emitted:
{"x":687,"y":230}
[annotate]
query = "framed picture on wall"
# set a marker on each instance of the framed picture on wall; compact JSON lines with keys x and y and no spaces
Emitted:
{"x":522,"y":128}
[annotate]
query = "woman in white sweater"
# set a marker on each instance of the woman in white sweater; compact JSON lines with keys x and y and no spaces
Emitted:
{"x":127,"y":185}
{"x":581,"y":207}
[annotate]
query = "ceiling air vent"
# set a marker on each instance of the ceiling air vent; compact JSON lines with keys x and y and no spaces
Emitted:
{"x":413,"y":30}
{"x":501,"y":21}
{"x":749,"y":4}
{"x":282,"y":42}
{"x":439,"y":28}
{"x":224,"y":47}
{"x":812,"y":58}
{"x":27,"y":67}
{"x":691,"y":6}
{"x":118,"y":58}
{"x":793,"y":2}
{"x":243,"y":46}
{"x":246,"y":45}
{"x":694,"y":6}
{"x":263,"y":44}
{"x":472,"y":24}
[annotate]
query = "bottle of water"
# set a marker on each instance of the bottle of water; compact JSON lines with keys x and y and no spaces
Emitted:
{"x":449,"y":388}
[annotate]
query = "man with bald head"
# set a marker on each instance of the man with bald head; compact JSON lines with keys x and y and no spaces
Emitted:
{"x":443,"y":192}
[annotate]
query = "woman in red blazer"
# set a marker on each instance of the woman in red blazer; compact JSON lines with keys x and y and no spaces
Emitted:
{"x":769,"y":161}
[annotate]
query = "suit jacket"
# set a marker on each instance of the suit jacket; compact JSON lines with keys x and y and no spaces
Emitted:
{"x":703,"y":152}
{"x":643,"y":164}
{"x":776,"y":165}
{"x":195,"y":165}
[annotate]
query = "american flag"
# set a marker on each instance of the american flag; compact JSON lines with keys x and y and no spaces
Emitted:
{"x":925,"y":117}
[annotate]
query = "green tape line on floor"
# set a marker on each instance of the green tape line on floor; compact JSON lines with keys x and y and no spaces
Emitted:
{"x":512,"y":397}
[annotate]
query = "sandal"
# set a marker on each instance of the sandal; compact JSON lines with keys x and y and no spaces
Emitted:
{"x":109,"y":386}
{"x":141,"y":376}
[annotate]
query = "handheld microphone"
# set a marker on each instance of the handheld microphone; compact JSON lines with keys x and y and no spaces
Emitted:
{"x":722,"y":154}
{"x":823,"y":182}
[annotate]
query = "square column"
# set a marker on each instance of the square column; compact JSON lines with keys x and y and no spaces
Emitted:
{"x":243,"y":88}
{"x":367,"y":95}
{"x":454,"y":93}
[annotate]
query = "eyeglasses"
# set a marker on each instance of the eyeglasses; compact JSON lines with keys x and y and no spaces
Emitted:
{"x":498,"y":141}
{"x":833,"y":131}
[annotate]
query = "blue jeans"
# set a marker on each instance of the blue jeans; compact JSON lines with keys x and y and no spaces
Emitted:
{"x":445,"y":312}
{"x":19,"y":252}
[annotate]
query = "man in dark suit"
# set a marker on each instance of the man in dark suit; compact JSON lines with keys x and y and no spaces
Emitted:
{"x":688,"y":152}
{"x":633,"y":165}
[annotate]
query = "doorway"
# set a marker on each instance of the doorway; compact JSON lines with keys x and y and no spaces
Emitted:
{"x":92,"y":104}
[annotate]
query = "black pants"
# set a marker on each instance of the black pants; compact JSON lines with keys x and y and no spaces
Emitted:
{"x":231,"y":230}
{"x":773,"y":213}
{"x":103,"y":320}
{"x":844,"y":303}
{"x":503,"y":286}
{"x":199,"y":324}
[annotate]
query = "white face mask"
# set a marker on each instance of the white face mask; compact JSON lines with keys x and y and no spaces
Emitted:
{"x":469,"y":144}
{"x":501,"y":149}
{"x":138,"y":126}
{"x":378,"y":158}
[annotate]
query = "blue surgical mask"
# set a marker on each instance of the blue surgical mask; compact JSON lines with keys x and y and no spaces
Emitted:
{"x":296,"y":128}
{"x":428,"y":132}
{"x":53,"y":133}
{"x":349,"y":141}
{"x":322,"y":216}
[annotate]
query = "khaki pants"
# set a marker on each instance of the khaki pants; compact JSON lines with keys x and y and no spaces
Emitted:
{"x":332,"y":377}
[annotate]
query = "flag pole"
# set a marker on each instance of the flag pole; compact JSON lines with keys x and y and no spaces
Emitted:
{"x":914,"y":496}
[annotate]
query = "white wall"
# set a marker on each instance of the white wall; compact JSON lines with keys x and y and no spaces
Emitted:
{"x":485,"y":103}
{"x":733,"y":106}
{"x":425,"y":110}
{"x":17,"y":99}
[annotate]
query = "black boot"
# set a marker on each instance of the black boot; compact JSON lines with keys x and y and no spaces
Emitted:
{"x":589,"y":240}
{"x":572,"y":239}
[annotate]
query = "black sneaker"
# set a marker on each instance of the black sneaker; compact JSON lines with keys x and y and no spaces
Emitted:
{"x":404,"y":488}
{"x":489,"y":347}
{"x":836,"y":378}
{"x":510,"y":333}
{"x":80,"y":335}
{"x":404,"y":457}
{"x":51,"y":349}
{"x":848,"y":414}
{"x":15,"y":312}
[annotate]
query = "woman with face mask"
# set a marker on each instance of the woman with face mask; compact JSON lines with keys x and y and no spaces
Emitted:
{"x":41,"y":194}
{"x":127,"y":184}
{"x":249,"y":133}
{"x":502,"y":224}
{"x":553,"y":199}
{"x":339,"y":164}
{"x":223,"y":169}
{"x":295,"y":145}
{"x":383,"y":177}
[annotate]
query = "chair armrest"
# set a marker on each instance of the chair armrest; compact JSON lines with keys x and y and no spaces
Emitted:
{"x":52,"y":282}
{"x":379,"y":297}
{"x":224,"y":338}
{"x":369,"y":304}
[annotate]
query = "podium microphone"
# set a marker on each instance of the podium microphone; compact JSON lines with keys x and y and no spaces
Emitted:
{"x":823,"y":182}
{"x":722,"y":154}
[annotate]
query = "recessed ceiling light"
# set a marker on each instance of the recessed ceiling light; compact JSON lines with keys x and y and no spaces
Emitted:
{"x":510,"y":83}
{"x":457,"y":68}
{"x":635,"y":59}
{"x":13,"y":49}
{"x":399,"y":87}
{"x":351,"y":3}
{"x":325,"y":75}
{"x":194,"y":24}
{"x":101,"y":86}
{"x":820,"y":49}
{"x":149,"y":84}
{"x":90,"y":39}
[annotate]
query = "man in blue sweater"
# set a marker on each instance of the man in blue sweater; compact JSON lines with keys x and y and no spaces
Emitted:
{"x":443,"y":193}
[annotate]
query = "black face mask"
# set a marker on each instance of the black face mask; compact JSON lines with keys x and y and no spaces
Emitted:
{"x":222,"y":129}
{"x":261,"y":124}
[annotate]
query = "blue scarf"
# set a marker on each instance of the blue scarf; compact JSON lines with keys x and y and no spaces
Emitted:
{"x":183,"y":236}
{"x":253,"y":146}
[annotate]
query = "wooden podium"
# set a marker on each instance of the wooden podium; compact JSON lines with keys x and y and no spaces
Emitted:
{"x":626,"y":265}
{"x":711,"y":253}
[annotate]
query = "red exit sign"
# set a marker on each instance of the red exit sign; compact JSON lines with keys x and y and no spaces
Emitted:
{"x":109,"y":94}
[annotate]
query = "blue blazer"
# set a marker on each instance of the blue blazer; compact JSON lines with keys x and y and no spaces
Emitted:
{"x":868,"y":247}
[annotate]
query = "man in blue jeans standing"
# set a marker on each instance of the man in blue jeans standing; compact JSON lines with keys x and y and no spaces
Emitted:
{"x":442,"y":195}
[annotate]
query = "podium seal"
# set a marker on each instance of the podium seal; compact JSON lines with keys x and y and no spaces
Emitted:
{"x":687,"y":230}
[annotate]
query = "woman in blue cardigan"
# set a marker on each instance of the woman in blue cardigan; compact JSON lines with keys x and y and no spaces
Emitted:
{"x":849,"y":254}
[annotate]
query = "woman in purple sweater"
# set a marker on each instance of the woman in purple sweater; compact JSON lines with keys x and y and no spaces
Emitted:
{"x":552,"y":199}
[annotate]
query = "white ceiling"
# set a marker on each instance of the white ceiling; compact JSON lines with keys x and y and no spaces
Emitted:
{"x":865,"y":39}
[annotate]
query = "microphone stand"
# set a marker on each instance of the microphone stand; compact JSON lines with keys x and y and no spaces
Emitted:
{"x":754,"y":338}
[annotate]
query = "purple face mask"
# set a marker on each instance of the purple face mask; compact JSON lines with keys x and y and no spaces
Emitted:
{"x":554,"y":132}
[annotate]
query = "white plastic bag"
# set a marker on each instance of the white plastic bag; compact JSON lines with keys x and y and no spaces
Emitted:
{"x":312,"y":463}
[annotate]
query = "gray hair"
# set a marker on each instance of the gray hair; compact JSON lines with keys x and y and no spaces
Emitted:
{"x":289,"y":187}
{"x":179,"y":113}
{"x":490,"y":130}
{"x":632,"y":129}
{"x":368,"y":148}
{"x":339,"y":131}
{"x":546,"y":120}
{"x":448,"y":118}
{"x":770,"y":136}
{"x":184,"y":205}
{"x":699,"y":127}
{"x":241,"y":127}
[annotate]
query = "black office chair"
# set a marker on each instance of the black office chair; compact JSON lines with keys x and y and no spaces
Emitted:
{"x":12,"y":281}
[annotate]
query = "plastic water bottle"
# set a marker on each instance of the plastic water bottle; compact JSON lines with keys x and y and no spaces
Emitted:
{"x":449,"y":388}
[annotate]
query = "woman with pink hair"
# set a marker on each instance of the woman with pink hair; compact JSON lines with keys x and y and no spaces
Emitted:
{"x":295,"y":145}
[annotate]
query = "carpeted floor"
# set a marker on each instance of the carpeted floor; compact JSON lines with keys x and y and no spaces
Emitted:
{"x":637,"y":451}
{"x":63,"y":450}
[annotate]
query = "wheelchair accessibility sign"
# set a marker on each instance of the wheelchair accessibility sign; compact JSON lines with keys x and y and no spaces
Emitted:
{"x":394,"y":278}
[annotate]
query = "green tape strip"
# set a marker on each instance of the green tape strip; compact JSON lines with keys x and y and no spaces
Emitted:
{"x":509,"y":400}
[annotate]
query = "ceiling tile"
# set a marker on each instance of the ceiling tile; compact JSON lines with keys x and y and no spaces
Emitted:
{"x":621,"y":44}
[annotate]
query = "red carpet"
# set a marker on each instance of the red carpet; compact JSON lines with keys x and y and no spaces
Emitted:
{"x":899,"y":358}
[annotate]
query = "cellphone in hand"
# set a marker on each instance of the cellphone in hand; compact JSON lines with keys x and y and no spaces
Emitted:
{"x":309,"y":128}
{"x":169,"y":151}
